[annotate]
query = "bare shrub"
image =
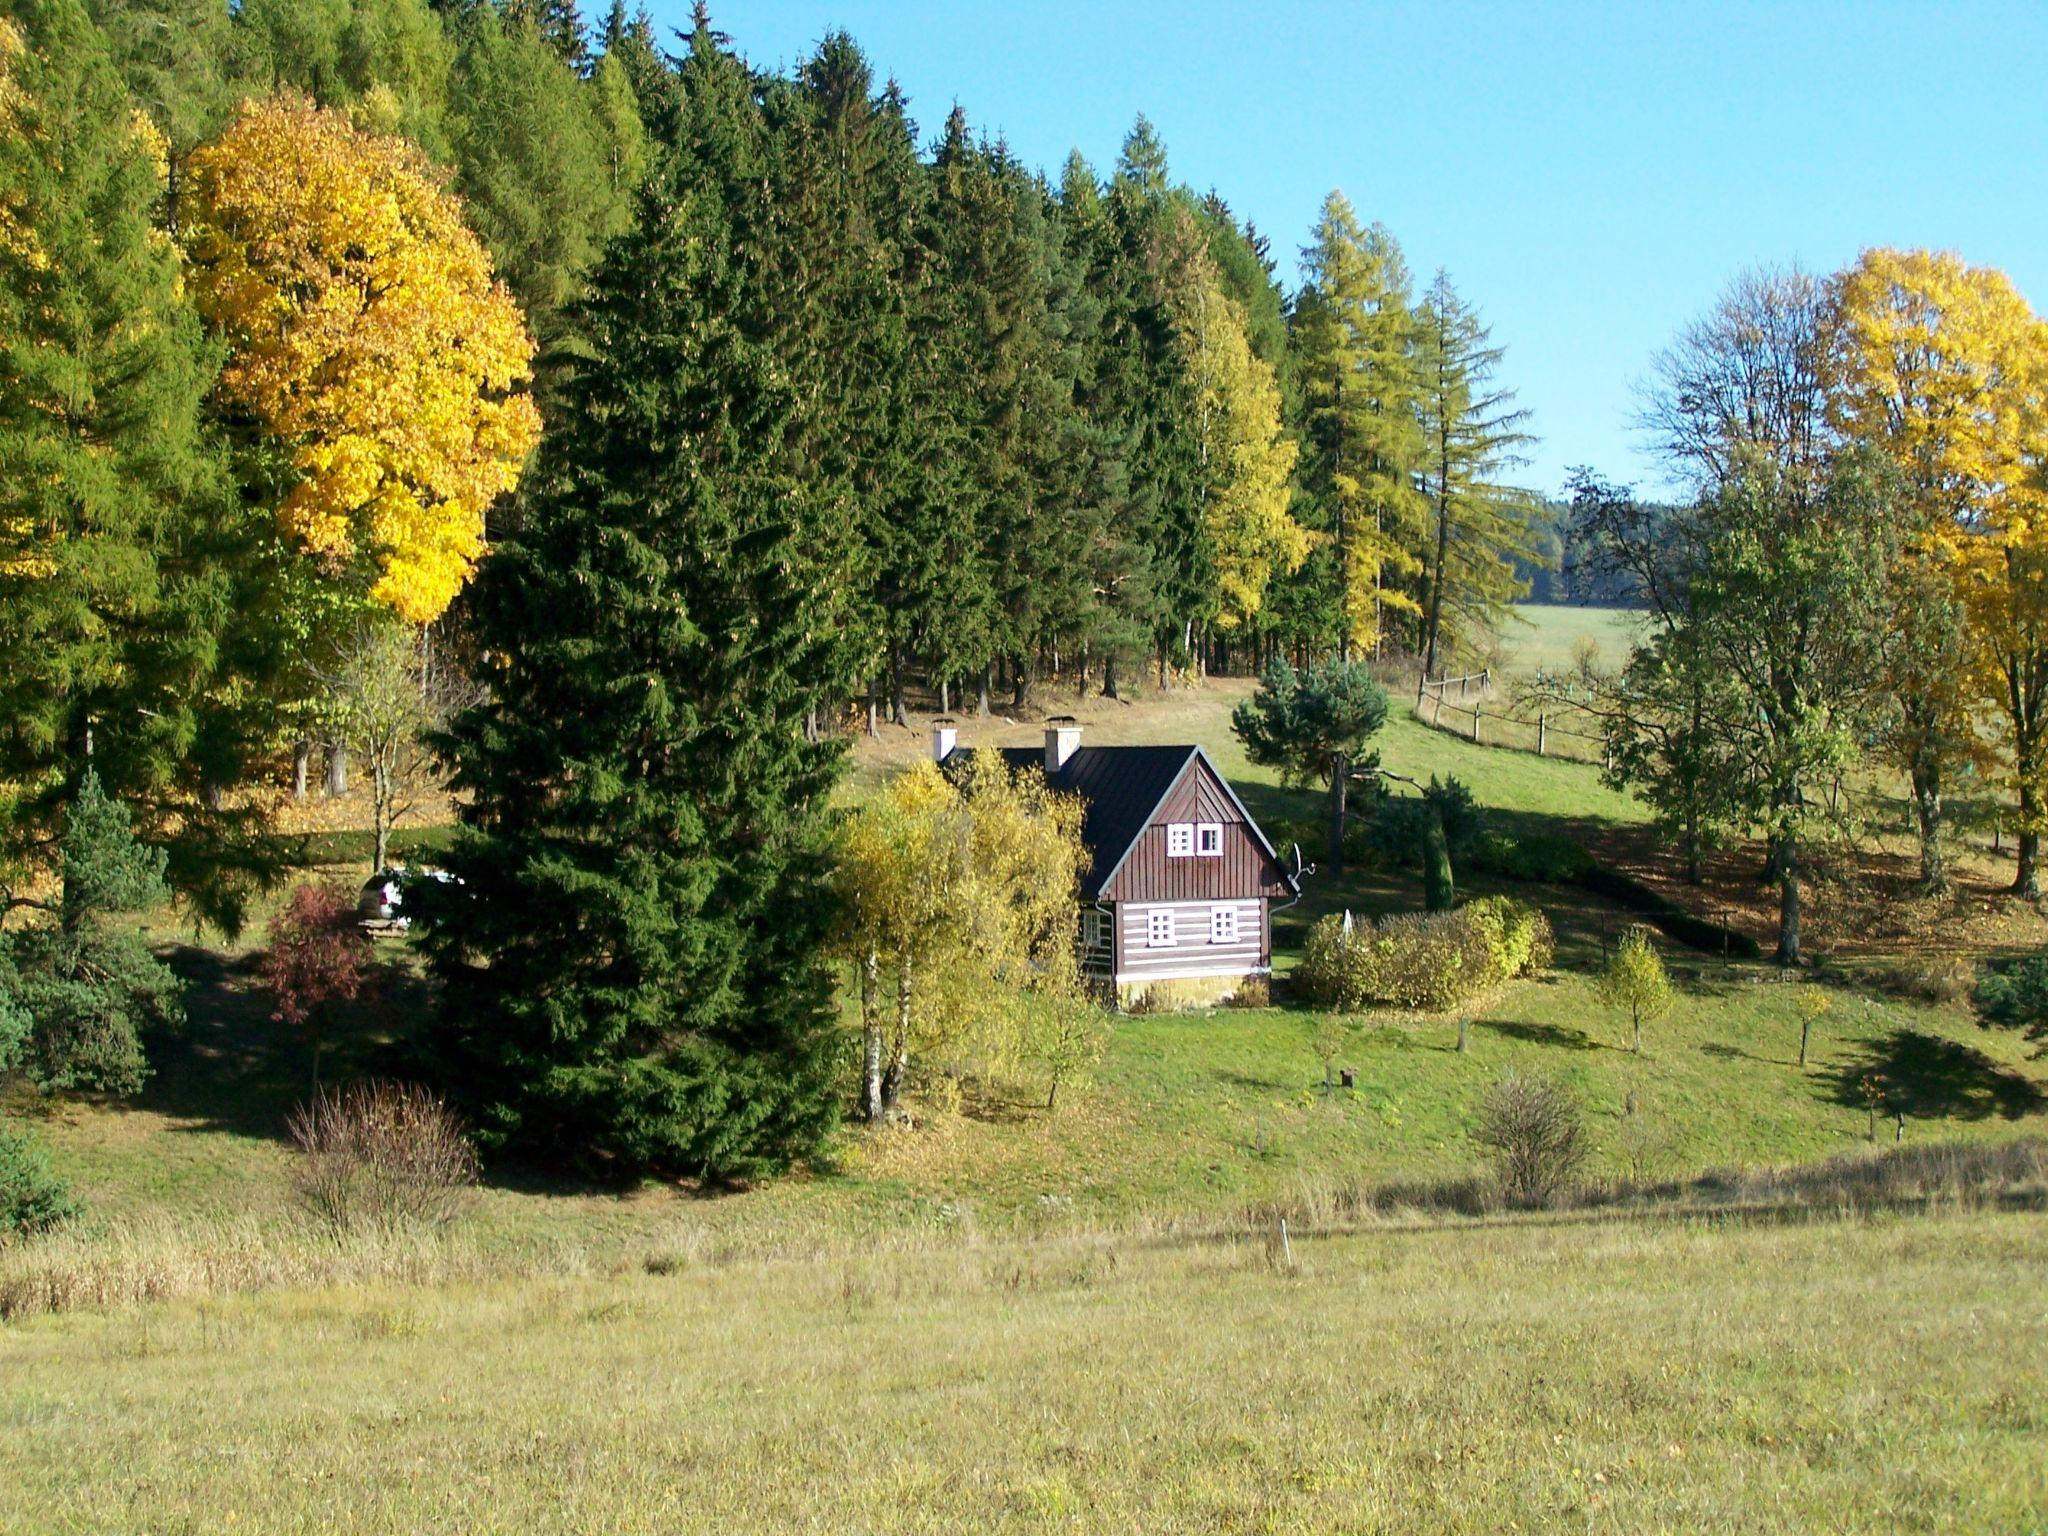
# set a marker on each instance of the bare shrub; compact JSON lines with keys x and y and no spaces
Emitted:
{"x":1252,"y":992}
{"x":381,"y":1157}
{"x":1534,"y":1129}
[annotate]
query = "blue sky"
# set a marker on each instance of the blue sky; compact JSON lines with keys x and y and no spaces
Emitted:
{"x":1590,"y":174}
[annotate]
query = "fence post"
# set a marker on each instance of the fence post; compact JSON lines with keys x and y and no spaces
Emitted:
{"x":1475,"y":725}
{"x":1542,"y":736}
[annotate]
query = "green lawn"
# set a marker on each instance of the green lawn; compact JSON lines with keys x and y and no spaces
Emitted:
{"x":1852,"y":1376}
{"x":1545,"y":635}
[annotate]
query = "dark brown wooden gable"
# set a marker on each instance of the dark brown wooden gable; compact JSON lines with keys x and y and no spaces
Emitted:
{"x":1244,"y":871}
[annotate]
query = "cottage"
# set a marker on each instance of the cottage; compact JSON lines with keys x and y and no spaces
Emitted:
{"x":1180,"y":883}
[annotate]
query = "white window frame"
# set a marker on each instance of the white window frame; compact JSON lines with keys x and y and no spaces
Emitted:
{"x":1223,"y":925}
{"x":1094,"y":929}
{"x":1158,"y":922}
{"x":1209,"y":840}
{"x":1180,"y":839}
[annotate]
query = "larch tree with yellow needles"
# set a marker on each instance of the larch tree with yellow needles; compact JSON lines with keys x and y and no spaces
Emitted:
{"x":1944,"y":368}
{"x":1247,"y":460}
{"x":368,"y":339}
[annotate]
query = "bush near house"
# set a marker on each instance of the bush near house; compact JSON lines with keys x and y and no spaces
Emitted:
{"x":1423,"y":960}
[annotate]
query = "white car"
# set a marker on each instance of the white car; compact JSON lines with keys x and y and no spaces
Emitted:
{"x":384,"y":893}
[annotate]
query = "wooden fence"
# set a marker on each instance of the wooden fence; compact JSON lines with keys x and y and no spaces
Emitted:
{"x":1546,"y":735}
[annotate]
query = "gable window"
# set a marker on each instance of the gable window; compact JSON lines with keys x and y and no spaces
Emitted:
{"x":1180,"y":839}
{"x":1159,"y":930}
{"x":1209,"y":840}
{"x":1223,"y":925}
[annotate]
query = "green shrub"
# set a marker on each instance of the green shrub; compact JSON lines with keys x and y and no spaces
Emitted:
{"x":32,"y":1198}
{"x":1431,"y":961}
{"x":1401,"y":825}
{"x":1518,"y":937}
{"x":1532,"y":856}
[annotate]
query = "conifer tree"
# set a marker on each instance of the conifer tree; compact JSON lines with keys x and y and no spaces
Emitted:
{"x":633,"y":963}
{"x":1156,"y":391}
{"x":1479,"y":534}
{"x":88,"y":985}
{"x":536,"y":167}
{"x":119,"y":532}
{"x":1354,"y":364}
{"x":1115,"y":514}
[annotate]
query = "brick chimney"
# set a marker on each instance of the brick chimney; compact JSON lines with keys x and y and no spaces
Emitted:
{"x":945,"y":734}
{"x":1062,"y":736}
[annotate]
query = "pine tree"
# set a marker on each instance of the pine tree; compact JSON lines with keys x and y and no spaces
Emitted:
{"x":861,"y":324}
{"x":1479,"y":536}
{"x":89,"y":986}
{"x":1156,"y":391}
{"x":116,"y":608}
{"x":634,"y":963}
{"x":1114,"y":513}
{"x":178,"y":60}
{"x":1354,"y":364}
{"x":537,"y":168}
{"x":559,"y":24}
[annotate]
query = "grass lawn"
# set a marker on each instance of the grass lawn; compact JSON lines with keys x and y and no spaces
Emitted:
{"x":1543,"y":636}
{"x":1877,"y":1375}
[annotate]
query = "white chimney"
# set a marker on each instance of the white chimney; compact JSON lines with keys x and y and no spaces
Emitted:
{"x":1062,"y":736}
{"x":945,"y":732}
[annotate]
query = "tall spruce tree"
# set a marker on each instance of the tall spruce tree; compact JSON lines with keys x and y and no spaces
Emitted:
{"x":116,"y":604}
{"x":535,"y":166}
{"x":634,"y":963}
{"x":1479,"y":538}
{"x":1115,"y":514}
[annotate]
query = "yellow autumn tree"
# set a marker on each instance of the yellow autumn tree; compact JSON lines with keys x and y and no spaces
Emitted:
{"x":1944,"y":367}
{"x":1247,"y":461}
{"x":1250,"y":462}
{"x":963,"y":893}
{"x":367,"y":336}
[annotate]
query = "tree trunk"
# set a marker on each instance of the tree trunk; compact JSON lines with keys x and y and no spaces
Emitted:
{"x":874,"y":719}
{"x":1020,"y":681}
{"x":1927,"y":812}
{"x":1340,"y":786}
{"x":945,"y":697}
{"x":981,"y":701}
{"x":1433,"y":624}
{"x":1109,"y":675}
{"x":337,"y":769}
{"x":1788,"y":899}
{"x":871,"y":1036}
{"x":899,"y":1059}
{"x":898,"y":715}
{"x":302,"y":764}
{"x":1636,"y":1020}
{"x":380,"y":816}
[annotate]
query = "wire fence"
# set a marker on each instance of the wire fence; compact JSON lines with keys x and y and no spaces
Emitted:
{"x":1488,"y":722}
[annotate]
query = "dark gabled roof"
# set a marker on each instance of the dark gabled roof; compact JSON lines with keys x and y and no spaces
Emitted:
{"x":1121,"y":789}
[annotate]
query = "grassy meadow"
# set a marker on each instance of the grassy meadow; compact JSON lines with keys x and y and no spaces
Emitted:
{"x":1713,"y":1376}
{"x":1003,"y":1318}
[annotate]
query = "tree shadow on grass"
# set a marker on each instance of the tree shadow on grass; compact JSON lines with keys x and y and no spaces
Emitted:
{"x":1737,"y":1053}
{"x":233,"y":1068}
{"x":1545,"y":1034}
{"x":1930,"y":1078}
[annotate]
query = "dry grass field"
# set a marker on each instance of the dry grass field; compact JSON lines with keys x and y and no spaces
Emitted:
{"x":1878,"y":1375}
{"x":1000,"y":1318}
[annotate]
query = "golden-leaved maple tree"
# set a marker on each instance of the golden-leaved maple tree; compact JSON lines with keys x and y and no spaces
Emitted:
{"x":366,"y":335}
{"x":1944,"y":367}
